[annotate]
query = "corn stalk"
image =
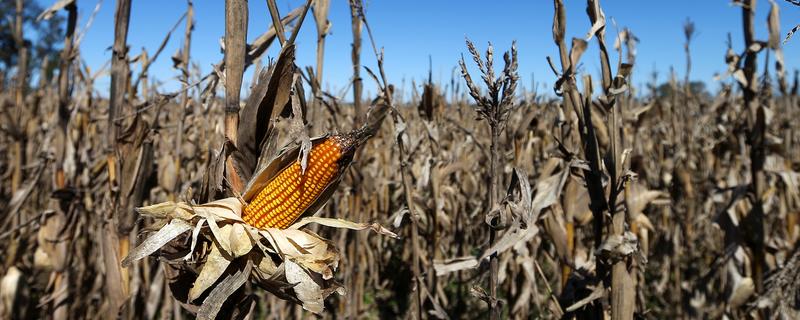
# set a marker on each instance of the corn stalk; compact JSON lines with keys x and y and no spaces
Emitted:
{"x":235,"y":49}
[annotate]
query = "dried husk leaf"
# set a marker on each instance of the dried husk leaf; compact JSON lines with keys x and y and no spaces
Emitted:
{"x":265,"y":265}
{"x":154,"y":242}
{"x":220,"y":210}
{"x":264,"y":105}
{"x":305,"y":248}
{"x":213,"y":268}
{"x":615,"y":247}
{"x":167,"y":174}
{"x":305,"y":286}
{"x":212,"y":304}
{"x":638,"y":197}
{"x":240,"y":241}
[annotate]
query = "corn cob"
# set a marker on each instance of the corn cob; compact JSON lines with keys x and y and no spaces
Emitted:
{"x":290,"y":193}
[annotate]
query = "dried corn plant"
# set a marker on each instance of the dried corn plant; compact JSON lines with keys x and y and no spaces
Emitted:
{"x":596,"y":199}
{"x":495,"y":107}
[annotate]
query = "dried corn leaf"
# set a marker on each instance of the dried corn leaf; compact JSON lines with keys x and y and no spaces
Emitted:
{"x":156,"y":241}
{"x":57,"y":5}
{"x":344,"y":224}
{"x":10,"y":286}
{"x":548,"y":191}
{"x":213,"y":303}
{"x":160,"y":210}
{"x":240,"y":241}
{"x":213,"y":269}
{"x":523,"y":226}
{"x":225,"y":209}
{"x":307,"y":286}
{"x":454,"y":265}
{"x":264,"y":105}
{"x":599,"y":25}
{"x":298,"y":128}
{"x":310,"y":250}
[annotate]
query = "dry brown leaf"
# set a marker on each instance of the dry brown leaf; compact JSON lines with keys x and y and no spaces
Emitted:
{"x":213,"y":269}
{"x":454,"y":265}
{"x":523,"y":226}
{"x":308,"y":289}
{"x":240,"y":241}
{"x":344,"y":224}
{"x":212,"y":304}
{"x":57,"y":5}
{"x":10,"y":286}
{"x":156,"y":241}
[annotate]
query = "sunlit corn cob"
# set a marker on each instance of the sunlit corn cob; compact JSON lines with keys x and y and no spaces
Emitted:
{"x":290,"y":193}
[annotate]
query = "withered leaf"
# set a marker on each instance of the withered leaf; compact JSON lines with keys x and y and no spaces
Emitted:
{"x":213,"y":303}
{"x":265,"y":103}
{"x":306,"y":287}
{"x":154,"y":242}
{"x":213,"y":268}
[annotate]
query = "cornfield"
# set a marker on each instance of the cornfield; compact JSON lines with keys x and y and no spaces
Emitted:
{"x":473,"y":198}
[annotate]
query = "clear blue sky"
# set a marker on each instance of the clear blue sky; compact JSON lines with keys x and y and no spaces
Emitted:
{"x":410,"y":31}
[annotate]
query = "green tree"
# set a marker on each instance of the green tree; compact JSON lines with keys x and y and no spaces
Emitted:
{"x":698,"y":89}
{"x":43,"y":38}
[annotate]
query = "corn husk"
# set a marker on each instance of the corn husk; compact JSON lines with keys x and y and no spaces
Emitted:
{"x":219,"y":243}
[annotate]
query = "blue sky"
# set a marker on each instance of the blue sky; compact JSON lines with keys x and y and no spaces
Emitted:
{"x":410,"y":31}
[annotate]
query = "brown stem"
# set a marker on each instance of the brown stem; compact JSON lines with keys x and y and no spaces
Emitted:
{"x":187,"y":44}
{"x":119,"y":68}
{"x":116,"y":236}
{"x":18,"y":160}
{"x":755,"y":220}
{"x":493,"y":177}
{"x":355,"y":20}
{"x":407,"y":188}
{"x":276,"y":21}
{"x":235,"y":50}
{"x":688,"y":32}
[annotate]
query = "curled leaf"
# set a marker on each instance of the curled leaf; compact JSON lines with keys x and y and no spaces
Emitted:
{"x":341,"y":223}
